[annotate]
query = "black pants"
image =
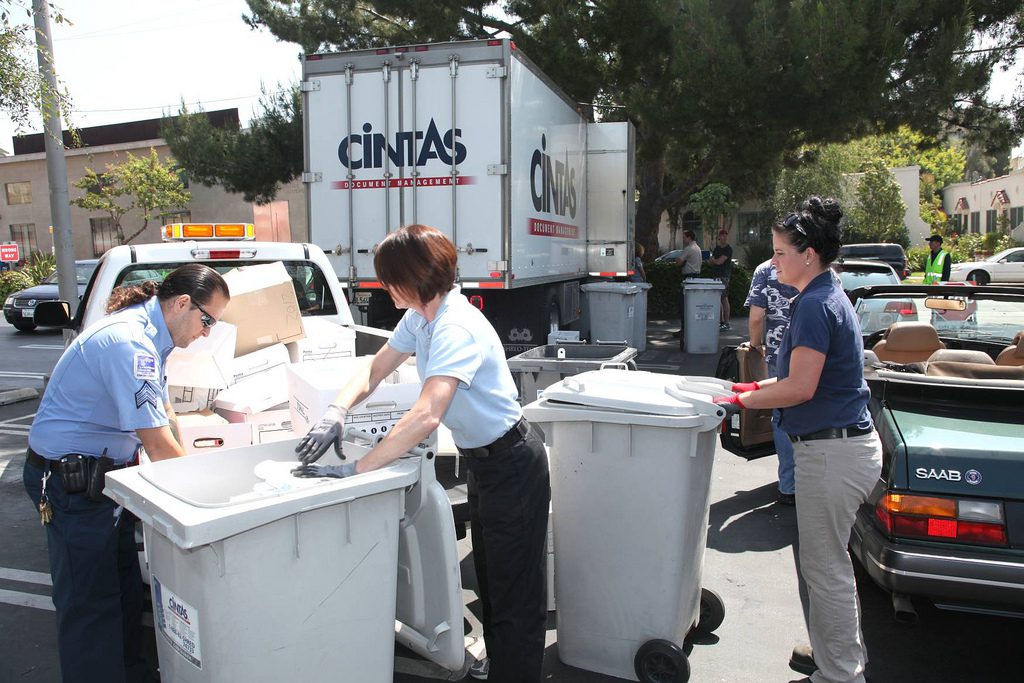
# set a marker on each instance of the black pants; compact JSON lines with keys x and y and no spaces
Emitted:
{"x":97,"y":586}
{"x":509,"y":520}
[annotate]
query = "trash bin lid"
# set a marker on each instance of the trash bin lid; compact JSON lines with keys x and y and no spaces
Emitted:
{"x":616,"y":287}
{"x":703,"y":283}
{"x":639,"y":392}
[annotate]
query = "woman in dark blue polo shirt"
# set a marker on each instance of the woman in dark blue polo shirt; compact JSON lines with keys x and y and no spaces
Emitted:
{"x":823,"y":399}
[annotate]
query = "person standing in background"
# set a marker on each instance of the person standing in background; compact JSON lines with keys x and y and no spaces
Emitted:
{"x":721,"y":268}
{"x":937,"y":263}
{"x":689,"y":260}
{"x":768,"y":301}
{"x":638,"y":265}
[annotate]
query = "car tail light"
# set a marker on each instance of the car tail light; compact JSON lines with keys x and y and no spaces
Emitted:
{"x":936,"y":518}
{"x":222,"y":254}
{"x":903,"y":308}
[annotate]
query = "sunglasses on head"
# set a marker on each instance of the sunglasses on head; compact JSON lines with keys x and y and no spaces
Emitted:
{"x":205,"y":318}
{"x":793,"y":221}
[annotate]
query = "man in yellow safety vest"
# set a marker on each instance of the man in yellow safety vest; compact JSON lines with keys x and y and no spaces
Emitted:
{"x":936,"y":266}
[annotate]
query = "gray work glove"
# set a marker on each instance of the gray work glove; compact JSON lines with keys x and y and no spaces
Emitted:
{"x":331,"y":471}
{"x":327,"y":431}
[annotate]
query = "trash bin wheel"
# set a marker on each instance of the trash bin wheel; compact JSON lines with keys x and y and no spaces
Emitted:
{"x":661,"y":661}
{"x":712,"y":612}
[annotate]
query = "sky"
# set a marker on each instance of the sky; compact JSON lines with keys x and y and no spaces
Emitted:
{"x":126,"y":60}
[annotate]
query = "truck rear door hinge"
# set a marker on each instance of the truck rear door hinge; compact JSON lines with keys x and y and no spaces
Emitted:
{"x":497,"y":169}
{"x":309,"y":86}
{"x":496,"y":72}
{"x":312,"y":177}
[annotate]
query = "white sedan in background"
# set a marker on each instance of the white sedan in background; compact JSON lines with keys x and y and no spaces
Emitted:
{"x":1006,"y":266}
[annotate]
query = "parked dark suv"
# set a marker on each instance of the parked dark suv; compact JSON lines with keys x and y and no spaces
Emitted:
{"x":892,"y":254}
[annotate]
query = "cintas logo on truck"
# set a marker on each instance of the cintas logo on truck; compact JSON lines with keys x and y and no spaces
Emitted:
{"x":410,"y":148}
{"x":553,"y":189}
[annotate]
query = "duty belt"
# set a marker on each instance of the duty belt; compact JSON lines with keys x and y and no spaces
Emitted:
{"x":502,"y":443}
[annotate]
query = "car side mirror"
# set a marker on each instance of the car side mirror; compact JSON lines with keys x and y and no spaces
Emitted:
{"x":53,"y":314}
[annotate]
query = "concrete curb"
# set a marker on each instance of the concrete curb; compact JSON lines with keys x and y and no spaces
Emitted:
{"x":16,"y":395}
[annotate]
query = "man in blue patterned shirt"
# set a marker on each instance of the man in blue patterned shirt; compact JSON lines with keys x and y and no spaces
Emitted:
{"x":768,"y":301}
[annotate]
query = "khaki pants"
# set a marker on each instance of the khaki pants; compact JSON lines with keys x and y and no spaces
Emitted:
{"x":833,"y":478}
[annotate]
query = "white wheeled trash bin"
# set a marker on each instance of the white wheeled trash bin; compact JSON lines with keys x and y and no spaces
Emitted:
{"x":702,"y":305}
{"x":631,"y":456}
{"x":259,"y":582}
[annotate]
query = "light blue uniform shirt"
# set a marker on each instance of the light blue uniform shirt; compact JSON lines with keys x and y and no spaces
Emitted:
{"x":461,"y":343}
{"x":108,"y":383}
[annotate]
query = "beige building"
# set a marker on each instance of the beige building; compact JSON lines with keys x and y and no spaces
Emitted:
{"x":25,"y":216}
{"x":980,"y":207}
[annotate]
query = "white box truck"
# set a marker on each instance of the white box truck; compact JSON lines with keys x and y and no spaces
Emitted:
{"x":470,"y":138}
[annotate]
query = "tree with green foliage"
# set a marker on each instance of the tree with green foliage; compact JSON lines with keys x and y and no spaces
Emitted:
{"x":22,"y":88}
{"x":144,"y":184}
{"x":876,"y":214}
{"x":713,"y":203}
{"x":718,"y":91}
{"x":254,"y":162}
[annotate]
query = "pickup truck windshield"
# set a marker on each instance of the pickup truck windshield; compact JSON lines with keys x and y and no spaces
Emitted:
{"x":311,"y":287}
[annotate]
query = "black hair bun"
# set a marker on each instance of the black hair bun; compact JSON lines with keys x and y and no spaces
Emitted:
{"x":826,"y":209}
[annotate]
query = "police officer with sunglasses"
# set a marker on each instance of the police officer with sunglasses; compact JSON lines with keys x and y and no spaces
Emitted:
{"x":106,"y":398}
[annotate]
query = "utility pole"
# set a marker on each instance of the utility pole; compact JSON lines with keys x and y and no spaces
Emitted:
{"x":56,"y":166}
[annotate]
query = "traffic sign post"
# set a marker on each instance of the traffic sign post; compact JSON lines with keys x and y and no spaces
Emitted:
{"x":9,"y":252}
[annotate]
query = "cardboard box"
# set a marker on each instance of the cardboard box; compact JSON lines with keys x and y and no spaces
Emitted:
{"x":324,"y":341}
{"x":205,"y":431}
{"x":270,"y":425}
{"x":256,"y":394}
{"x":312,"y":387}
{"x":206,"y":362}
{"x":264,"y":360}
{"x":263,"y":307}
{"x":191,"y":399}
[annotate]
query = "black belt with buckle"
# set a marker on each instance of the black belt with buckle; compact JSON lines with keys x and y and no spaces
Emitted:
{"x":833,"y":433}
{"x":55,"y":466}
{"x":502,"y":443}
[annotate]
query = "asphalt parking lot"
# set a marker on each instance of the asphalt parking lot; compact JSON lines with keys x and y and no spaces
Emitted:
{"x":749,"y":561}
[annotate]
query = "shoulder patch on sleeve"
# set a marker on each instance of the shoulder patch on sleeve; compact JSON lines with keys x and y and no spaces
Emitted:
{"x":147,"y":393}
{"x":144,"y":367}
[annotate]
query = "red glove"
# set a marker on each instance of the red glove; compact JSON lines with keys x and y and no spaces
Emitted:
{"x":740,"y":387}
{"x":733,"y":399}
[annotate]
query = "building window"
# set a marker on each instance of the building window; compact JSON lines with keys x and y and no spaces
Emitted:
{"x":1016,"y":216}
{"x":19,"y":193}
{"x":754,"y":226}
{"x":976,"y":222}
{"x":177,"y":217}
{"x":104,"y":235}
{"x":990,"y":220}
{"x":25,"y":235}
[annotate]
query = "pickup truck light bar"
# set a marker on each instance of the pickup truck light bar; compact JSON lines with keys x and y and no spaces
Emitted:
{"x":208,"y":231}
{"x":222,"y":254}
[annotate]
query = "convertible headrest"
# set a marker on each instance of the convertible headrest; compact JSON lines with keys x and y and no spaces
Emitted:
{"x":912,"y":336}
{"x":961,"y":356}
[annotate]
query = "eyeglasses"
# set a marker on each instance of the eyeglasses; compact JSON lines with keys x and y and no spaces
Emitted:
{"x":793,"y":221}
{"x":205,"y":318}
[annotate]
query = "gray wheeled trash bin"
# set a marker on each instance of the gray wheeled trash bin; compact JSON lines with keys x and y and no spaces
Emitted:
{"x":702,"y":302}
{"x":613,"y":310}
{"x":542,"y":366}
{"x":631,"y":455}
{"x":259,"y":581}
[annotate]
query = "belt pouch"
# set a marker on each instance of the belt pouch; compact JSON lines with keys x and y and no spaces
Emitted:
{"x":97,"y":478}
{"x":74,"y":473}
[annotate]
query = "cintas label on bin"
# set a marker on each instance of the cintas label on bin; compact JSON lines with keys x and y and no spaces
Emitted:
{"x":178,"y":621}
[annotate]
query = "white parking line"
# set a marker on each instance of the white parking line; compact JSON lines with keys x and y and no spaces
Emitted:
{"x":22,"y":375}
{"x":25,"y":576}
{"x":33,"y":600}
{"x":48,"y":347}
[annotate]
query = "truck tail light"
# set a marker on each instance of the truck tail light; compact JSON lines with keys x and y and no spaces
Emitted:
{"x":937,"y":518}
{"x":222,"y":254}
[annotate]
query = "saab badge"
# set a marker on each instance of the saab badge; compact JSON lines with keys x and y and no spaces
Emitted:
{"x":972,"y":477}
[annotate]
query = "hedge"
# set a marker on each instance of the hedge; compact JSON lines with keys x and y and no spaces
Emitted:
{"x":662,"y":298}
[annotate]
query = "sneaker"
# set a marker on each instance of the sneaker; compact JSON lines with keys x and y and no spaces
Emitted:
{"x":480,"y":668}
{"x":785,"y":498}
{"x":723,"y":326}
{"x":802,"y":660}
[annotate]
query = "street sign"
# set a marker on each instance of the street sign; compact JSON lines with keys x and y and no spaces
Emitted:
{"x":9,"y":252}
